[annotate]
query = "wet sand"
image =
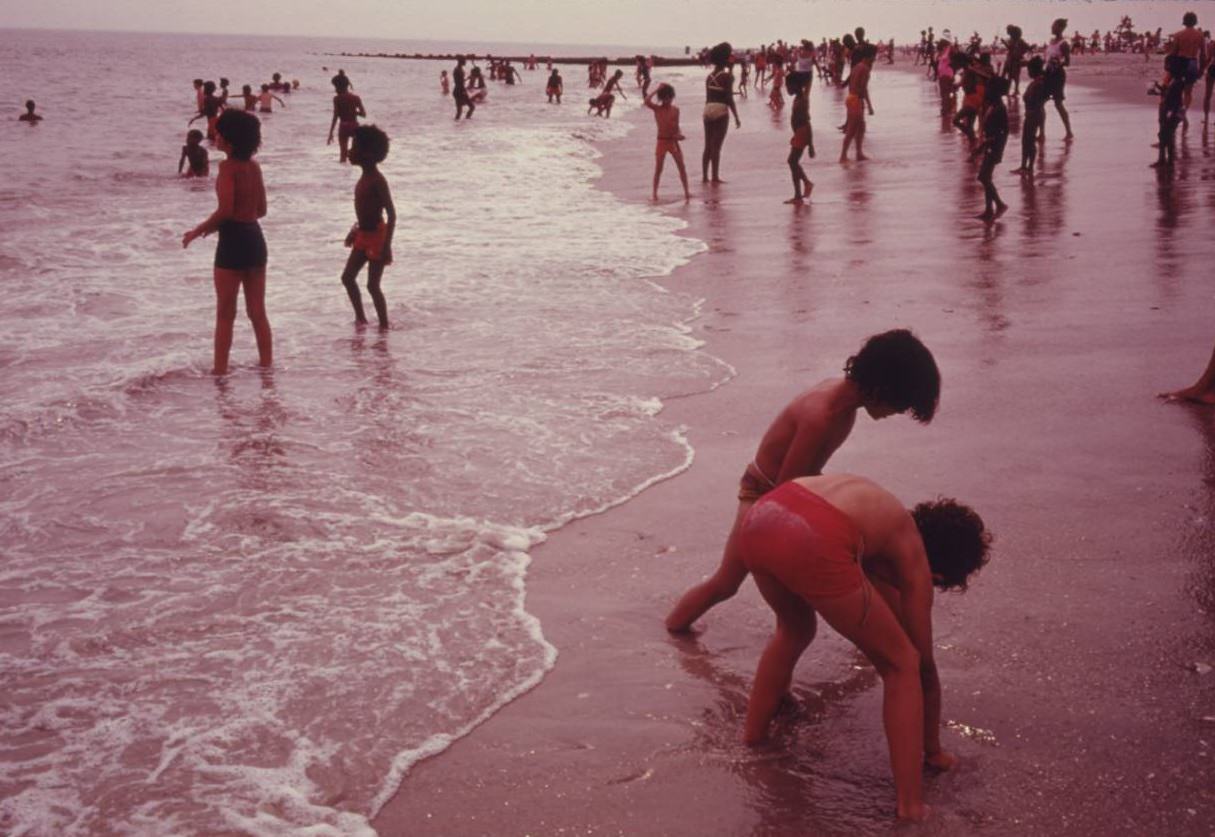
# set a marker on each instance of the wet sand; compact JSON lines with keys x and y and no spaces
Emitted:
{"x":1065,"y":668}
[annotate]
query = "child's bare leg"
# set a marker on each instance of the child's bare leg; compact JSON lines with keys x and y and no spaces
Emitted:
{"x":375,"y":271}
{"x":795,"y":626}
{"x":860,"y":138}
{"x":227,"y":288}
{"x":349,"y":278}
{"x":849,"y":135}
{"x":1067,"y":122}
{"x":344,"y":146}
{"x":658,"y":161}
{"x":723,"y":584}
{"x":798,"y":174}
{"x":255,"y":308}
{"x":864,"y":618}
{"x":1202,"y":391}
{"x":683,"y":173}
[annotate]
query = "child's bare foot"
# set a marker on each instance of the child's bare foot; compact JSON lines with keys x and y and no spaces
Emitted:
{"x":687,"y":196}
{"x":861,"y":157}
{"x":807,"y":187}
{"x":1001,"y":208}
{"x":988,"y":215}
{"x":1194,"y":395}
{"x":796,"y":201}
{"x":654,"y":197}
{"x":914,"y":813}
{"x":1156,"y":164}
{"x":941,"y":761}
{"x":717,"y":181}
{"x":843,"y":159}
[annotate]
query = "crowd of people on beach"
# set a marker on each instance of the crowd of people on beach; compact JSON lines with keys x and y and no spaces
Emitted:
{"x":839,"y":546}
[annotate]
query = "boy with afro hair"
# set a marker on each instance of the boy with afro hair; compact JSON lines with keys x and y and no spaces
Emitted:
{"x":370,"y":239}
{"x":892,"y":373}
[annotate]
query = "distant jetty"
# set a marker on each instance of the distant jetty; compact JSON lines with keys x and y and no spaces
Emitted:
{"x":659,"y":61}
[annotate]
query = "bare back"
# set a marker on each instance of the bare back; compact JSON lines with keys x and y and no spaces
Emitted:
{"x":248,"y":193}
{"x":808,"y":431}
{"x":893,"y":552}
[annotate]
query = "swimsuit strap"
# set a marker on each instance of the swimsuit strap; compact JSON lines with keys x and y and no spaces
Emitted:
{"x":771,"y":482}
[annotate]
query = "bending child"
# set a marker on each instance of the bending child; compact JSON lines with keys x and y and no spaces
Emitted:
{"x":892,"y":373}
{"x":823,"y":546}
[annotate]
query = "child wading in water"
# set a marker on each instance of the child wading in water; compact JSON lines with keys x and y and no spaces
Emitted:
{"x":347,"y":108}
{"x":555,"y":87}
{"x":995,"y":136}
{"x":371,"y":237}
{"x":29,"y":115}
{"x":240,"y":256}
{"x":666,"y":116}
{"x":803,"y":138}
{"x":197,"y":155}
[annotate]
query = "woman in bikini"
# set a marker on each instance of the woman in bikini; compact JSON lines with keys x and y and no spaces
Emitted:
{"x":719,"y":107}
{"x":240,"y":256}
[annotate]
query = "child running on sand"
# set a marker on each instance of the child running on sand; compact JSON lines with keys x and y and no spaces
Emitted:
{"x":240,"y":256}
{"x":666,"y":117}
{"x":347,"y":108}
{"x":1035,"y":113}
{"x":892,"y":373}
{"x":803,"y":136}
{"x":995,"y":137}
{"x":370,"y":238}
{"x":29,"y":115}
{"x":824,"y":546}
{"x":857,"y":102}
{"x":194,"y":152}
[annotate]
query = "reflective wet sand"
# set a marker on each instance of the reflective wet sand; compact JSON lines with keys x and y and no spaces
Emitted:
{"x":1067,"y":669}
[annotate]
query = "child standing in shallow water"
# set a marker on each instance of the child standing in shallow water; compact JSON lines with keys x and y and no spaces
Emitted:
{"x":371,"y":237}
{"x":803,"y":139}
{"x":240,"y":256}
{"x":666,"y":116}
{"x":995,"y":136}
{"x":1035,"y":113}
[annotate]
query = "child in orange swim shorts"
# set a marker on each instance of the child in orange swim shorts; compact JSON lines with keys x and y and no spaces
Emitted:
{"x":370,"y":239}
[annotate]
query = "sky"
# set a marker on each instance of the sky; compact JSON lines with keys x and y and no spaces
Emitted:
{"x":671,"y":23}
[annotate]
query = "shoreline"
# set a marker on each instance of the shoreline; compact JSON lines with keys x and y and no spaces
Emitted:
{"x":635,"y":731}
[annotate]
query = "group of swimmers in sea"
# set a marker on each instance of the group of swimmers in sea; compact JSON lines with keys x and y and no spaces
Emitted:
{"x":241,"y":254}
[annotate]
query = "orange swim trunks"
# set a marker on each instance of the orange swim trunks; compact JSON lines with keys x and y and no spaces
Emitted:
{"x":854,"y":107}
{"x":666,"y":146}
{"x":804,"y":542}
{"x":371,"y":242}
{"x":754,"y":484}
{"x":801,"y":137}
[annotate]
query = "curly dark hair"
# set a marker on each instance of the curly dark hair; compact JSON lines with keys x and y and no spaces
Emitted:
{"x":720,"y":54}
{"x":896,"y":369}
{"x":371,"y":142}
{"x":242,"y":131}
{"x":954,"y":538}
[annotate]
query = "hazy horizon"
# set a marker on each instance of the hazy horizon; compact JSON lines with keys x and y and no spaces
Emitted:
{"x":625,"y":23}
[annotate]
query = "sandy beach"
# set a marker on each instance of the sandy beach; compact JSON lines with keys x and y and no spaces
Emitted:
{"x":1070,"y":686}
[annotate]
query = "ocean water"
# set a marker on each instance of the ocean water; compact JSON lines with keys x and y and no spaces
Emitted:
{"x":249,"y":605}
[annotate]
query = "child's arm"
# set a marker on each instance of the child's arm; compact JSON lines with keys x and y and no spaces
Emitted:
{"x":333,"y":122}
{"x":390,"y":211}
{"x":277,"y":99}
{"x":182,"y":162}
{"x":225,"y":192}
{"x":648,"y":101}
{"x":359,"y":106}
